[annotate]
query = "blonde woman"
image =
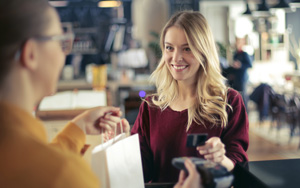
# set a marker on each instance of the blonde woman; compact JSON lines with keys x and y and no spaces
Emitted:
{"x":191,"y":98}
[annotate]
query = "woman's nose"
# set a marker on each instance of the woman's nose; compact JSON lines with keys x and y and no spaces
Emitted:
{"x":177,"y":56}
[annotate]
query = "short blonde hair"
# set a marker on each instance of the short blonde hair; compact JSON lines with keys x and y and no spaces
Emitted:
{"x":211,"y":91}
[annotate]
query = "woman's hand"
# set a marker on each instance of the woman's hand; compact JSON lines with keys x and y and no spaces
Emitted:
{"x":192,"y":180}
{"x":126,"y":127}
{"x":214,"y":150}
{"x":122,"y":127}
{"x":107,"y":118}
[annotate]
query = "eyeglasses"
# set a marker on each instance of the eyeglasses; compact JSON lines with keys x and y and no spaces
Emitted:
{"x":66,"y":41}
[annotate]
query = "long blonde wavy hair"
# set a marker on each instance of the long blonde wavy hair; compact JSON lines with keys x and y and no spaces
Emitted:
{"x":211,"y":92}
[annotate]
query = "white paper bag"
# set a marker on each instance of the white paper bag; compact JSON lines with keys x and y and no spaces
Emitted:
{"x":117,"y":163}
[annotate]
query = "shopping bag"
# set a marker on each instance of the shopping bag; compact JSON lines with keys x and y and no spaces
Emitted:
{"x":117,"y":163}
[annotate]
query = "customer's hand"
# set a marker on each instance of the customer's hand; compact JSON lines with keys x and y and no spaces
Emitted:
{"x":99,"y":119}
{"x":122,"y":127}
{"x":214,"y":150}
{"x":192,"y":180}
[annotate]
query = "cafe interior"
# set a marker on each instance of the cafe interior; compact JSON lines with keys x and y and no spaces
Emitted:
{"x":116,"y":48}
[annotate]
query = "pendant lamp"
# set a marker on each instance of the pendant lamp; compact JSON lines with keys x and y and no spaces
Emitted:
{"x":263,"y":10}
{"x":282,"y":4}
{"x":263,"y":7}
{"x":248,"y":11}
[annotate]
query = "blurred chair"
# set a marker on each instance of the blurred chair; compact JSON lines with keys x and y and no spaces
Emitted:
{"x":278,"y":107}
{"x":262,"y":95}
{"x":293,"y":114}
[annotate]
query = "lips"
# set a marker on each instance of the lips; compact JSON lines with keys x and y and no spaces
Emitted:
{"x":179,"y":67}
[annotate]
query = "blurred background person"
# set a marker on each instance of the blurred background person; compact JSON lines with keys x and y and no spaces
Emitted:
{"x":237,"y":72}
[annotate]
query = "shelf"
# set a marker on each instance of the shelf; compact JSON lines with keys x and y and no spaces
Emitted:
{"x":272,"y":43}
{"x":276,"y":46}
{"x":88,"y":51}
{"x":85,"y":30}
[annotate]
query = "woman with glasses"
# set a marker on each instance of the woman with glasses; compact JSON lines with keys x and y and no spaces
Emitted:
{"x":191,"y":98}
{"x":33,"y":49}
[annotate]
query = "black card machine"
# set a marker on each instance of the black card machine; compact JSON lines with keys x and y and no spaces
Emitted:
{"x":213,"y":175}
{"x":194,"y":140}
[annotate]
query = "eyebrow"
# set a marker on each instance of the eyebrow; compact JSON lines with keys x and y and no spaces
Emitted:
{"x":181,"y":45}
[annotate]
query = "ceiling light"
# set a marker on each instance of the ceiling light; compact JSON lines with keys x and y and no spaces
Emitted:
{"x":109,"y":4}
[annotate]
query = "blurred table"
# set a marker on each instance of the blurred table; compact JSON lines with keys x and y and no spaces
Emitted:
{"x":66,"y":105}
{"x":115,"y":89}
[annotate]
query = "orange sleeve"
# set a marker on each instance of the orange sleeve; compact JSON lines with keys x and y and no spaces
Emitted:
{"x":71,"y":138}
{"x":76,"y":173}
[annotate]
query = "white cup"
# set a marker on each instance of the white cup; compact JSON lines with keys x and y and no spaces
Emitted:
{"x":68,"y":72}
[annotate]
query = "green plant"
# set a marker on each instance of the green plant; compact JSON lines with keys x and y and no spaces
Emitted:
{"x":154,"y":45}
{"x":221,"y":49}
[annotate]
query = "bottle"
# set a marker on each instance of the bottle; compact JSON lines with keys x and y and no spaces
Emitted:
{"x":99,"y":76}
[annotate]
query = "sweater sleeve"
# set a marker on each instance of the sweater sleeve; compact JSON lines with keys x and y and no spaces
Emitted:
{"x":142,"y":128}
{"x":236,"y":135}
{"x":70,"y":138}
{"x":75,"y":173}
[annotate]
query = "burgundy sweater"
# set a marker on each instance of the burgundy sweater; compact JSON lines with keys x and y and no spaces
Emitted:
{"x":163,"y":136}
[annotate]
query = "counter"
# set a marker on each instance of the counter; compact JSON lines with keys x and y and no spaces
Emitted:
{"x":113,"y":88}
{"x":268,"y":174}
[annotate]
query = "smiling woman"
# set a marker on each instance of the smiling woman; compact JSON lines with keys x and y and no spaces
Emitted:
{"x":191,"y":98}
{"x":179,"y":58}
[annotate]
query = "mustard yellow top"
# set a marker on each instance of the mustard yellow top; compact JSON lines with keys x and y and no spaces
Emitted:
{"x":28,"y":161}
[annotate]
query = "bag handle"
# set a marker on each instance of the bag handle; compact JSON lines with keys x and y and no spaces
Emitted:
{"x":115,"y":131}
{"x":121,"y":128}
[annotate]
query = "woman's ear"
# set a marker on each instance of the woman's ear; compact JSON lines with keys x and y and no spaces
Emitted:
{"x":29,"y":54}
